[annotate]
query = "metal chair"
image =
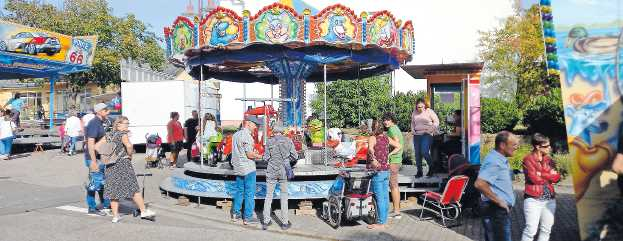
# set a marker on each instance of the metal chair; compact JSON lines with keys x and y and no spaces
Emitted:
{"x":448,"y":202}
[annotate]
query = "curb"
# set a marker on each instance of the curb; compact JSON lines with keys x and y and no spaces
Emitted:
{"x":289,"y":232}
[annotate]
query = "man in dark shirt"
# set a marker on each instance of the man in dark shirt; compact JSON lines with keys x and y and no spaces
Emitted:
{"x":94,"y":131}
{"x":190,"y":131}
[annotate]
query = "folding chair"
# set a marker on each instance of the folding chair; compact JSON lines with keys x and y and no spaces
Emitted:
{"x":449,"y":200}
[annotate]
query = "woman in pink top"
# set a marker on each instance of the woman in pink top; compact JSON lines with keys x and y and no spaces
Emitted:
{"x":175,"y":136}
{"x":424,"y":124}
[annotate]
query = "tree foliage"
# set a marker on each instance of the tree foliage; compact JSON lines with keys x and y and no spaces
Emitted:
{"x":514,"y":56}
{"x":118,"y":37}
{"x":349,"y":101}
{"x":546,"y":116}
{"x":498,"y":115}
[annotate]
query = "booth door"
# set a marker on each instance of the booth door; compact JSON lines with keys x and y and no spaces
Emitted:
{"x":445,"y":99}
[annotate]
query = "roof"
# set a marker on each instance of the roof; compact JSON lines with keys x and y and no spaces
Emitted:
{"x":420,"y":71}
{"x":17,"y":84}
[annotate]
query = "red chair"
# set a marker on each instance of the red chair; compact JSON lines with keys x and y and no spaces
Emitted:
{"x":448,"y":203}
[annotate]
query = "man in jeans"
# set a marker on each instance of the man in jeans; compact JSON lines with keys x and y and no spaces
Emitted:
{"x":242,"y":159}
{"x":495,"y":184}
{"x":94,"y":131}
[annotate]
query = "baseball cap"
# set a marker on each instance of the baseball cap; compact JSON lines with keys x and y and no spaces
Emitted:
{"x":99,"y":106}
{"x":253,"y":119}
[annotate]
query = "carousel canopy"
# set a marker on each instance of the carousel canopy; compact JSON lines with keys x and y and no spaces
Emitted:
{"x":279,"y":43}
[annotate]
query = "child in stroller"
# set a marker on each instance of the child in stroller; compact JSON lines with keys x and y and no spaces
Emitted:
{"x":154,"y":153}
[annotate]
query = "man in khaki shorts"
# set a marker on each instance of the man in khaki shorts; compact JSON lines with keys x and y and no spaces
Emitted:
{"x":395,"y":161}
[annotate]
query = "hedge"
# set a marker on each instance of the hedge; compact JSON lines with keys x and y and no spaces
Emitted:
{"x":498,"y":115}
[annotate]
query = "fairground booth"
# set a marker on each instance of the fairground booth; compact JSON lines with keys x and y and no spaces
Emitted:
{"x":27,"y":53}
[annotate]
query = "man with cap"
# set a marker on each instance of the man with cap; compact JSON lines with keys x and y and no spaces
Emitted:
{"x":279,"y":151}
{"x":94,"y":131}
{"x":243,"y":161}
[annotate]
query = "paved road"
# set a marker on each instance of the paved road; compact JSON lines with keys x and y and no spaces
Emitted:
{"x":32,"y":188}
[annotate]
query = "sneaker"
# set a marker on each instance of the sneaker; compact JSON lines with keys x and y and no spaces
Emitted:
{"x":250,"y":221}
{"x":235,"y":218}
{"x":287,"y":226}
{"x":148,"y":214}
{"x":116,"y":219}
{"x":95,"y":212}
{"x":395,"y":215}
{"x":265,"y":225}
{"x":107,"y":211}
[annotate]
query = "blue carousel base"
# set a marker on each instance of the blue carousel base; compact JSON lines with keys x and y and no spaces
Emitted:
{"x":311,"y":182}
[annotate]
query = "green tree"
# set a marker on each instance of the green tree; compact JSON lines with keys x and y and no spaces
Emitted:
{"x":118,"y":37}
{"x":546,"y":116}
{"x":514,"y":56}
{"x":498,"y":115}
{"x":349,"y":101}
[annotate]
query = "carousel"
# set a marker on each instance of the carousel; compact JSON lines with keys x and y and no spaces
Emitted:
{"x":279,"y":46}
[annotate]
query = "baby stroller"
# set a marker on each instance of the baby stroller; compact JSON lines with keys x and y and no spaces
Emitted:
{"x":350,"y":198}
{"x":154,"y":153}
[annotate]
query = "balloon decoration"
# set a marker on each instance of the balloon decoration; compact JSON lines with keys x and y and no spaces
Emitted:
{"x":549,"y":35}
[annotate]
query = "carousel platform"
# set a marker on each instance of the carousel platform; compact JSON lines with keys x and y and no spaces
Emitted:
{"x":312,"y":181}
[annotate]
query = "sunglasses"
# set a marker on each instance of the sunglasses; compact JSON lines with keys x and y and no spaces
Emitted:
{"x":545,"y":146}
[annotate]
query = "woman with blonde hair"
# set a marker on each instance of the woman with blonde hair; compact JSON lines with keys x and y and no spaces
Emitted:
{"x":120,"y":179}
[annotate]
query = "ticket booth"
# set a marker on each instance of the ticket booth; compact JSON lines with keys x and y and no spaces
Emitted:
{"x":450,"y":88}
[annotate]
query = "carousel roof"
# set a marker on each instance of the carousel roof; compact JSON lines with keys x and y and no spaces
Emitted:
{"x":247,"y":48}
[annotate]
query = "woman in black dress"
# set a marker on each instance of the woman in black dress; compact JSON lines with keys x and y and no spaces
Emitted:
{"x":120,"y":179}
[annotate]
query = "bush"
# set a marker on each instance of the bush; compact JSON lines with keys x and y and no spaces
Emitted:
{"x":498,"y":115}
{"x":544,"y":114}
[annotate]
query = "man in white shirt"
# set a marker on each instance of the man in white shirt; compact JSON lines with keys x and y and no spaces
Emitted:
{"x":85,"y":121}
{"x":73,"y":129}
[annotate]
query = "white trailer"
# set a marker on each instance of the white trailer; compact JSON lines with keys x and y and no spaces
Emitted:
{"x":148,"y":105}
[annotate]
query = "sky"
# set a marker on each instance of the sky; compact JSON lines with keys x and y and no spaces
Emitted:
{"x":592,"y":11}
{"x":446,"y":31}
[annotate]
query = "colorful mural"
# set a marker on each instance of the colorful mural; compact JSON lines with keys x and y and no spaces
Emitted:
{"x":219,"y":28}
{"x":337,"y":26}
{"x":278,"y":25}
{"x":583,"y":49}
{"x":307,"y":35}
{"x":473,"y":105}
{"x":226,"y":189}
{"x":46,"y":45}
{"x":382,"y":29}
{"x":182,"y":35}
{"x":407,"y":38}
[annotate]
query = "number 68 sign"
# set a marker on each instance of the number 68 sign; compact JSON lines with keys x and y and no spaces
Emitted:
{"x":76,"y":57}
{"x":81,"y":50}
